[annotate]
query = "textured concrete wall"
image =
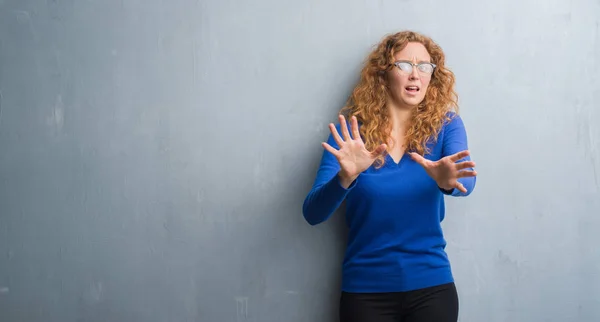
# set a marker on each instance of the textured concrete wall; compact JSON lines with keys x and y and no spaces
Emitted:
{"x":154,"y":156}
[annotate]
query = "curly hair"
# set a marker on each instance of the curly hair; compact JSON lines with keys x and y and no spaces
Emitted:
{"x":369,"y":98}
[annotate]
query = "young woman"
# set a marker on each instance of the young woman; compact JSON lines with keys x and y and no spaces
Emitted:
{"x":400,"y":148}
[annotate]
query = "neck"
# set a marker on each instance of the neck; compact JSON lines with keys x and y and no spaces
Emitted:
{"x":400,"y":117}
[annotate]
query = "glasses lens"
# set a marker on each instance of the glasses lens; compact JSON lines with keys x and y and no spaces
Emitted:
{"x":426,"y":68}
{"x":405,"y":67}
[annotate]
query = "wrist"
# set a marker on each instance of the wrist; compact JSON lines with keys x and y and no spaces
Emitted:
{"x":346,"y":180}
{"x":446,"y":191}
{"x":445,"y":187}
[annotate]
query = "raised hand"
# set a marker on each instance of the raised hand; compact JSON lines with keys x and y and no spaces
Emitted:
{"x":447,"y":170}
{"x":352,"y":154}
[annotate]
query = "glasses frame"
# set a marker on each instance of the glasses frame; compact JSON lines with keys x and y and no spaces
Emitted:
{"x":413,"y":65}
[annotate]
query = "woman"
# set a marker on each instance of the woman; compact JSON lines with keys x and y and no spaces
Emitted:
{"x":403,"y":148}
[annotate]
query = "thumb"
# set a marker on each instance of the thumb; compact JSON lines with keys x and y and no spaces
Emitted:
{"x":460,"y":187}
{"x":418,"y":158}
{"x":379,"y":150}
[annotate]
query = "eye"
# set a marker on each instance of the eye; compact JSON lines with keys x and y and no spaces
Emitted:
{"x":404,"y":66}
{"x":426,"y":68}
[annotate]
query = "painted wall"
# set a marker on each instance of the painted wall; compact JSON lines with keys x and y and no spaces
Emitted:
{"x":155,"y":156}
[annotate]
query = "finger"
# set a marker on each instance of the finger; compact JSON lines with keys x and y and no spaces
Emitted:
{"x":355,"y":132}
{"x":344,"y":127}
{"x":466,"y":173}
{"x":457,"y":156}
{"x":331,"y":149}
{"x":336,"y":135}
{"x":465,"y":165}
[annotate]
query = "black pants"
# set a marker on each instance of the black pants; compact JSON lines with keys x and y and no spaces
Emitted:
{"x":432,"y":304}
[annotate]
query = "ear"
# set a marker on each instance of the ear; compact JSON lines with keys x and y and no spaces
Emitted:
{"x":384,"y":77}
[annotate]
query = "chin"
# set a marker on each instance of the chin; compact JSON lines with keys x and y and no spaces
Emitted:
{"x":412,"y":101}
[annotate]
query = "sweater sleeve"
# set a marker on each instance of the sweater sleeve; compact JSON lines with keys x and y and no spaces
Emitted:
{"x":455,"y":140}
{"x":326,"y":194}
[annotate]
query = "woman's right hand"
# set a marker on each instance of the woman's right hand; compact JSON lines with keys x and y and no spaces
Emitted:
{"x":352,"y":154}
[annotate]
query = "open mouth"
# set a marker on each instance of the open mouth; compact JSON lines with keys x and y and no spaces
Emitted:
{"x":412,"y":89}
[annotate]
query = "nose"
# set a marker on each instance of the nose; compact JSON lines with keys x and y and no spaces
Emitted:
{"x":414,"y":74}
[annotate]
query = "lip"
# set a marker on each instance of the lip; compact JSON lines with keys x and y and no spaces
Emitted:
{"x":412,"y":92}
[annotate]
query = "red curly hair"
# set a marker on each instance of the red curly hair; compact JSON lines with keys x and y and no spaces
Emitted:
{"x":368,"y":101}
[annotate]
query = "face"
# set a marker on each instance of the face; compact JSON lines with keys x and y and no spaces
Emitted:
{"x":408,"y":83}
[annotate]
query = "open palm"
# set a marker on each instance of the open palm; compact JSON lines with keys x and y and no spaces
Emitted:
{"x":447,"y":170}
{"x":352,"y":154}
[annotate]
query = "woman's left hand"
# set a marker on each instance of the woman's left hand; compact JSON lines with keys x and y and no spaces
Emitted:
{"x":447,"y":170}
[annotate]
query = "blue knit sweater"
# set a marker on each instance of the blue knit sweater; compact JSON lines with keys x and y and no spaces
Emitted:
{"x":394,"y":216}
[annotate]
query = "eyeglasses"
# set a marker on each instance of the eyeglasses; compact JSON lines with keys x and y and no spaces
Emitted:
{"x":423,"y":68}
